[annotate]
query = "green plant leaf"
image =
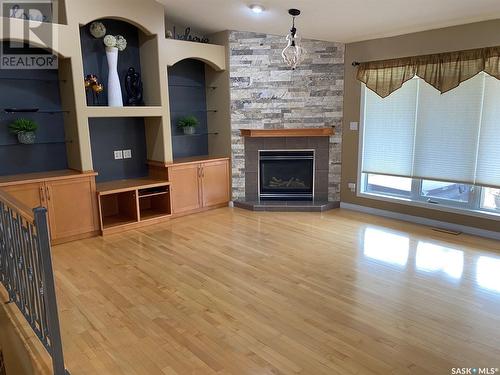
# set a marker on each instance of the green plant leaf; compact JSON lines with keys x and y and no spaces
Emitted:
{"x":187,"y":121}
{"x":22,"y":125}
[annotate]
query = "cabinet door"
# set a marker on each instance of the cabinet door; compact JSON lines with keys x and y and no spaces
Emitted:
{"x":72,"y":206}
{"x":31,"y":195}
{"x":215,"y":182}
{"x":185,"y":188}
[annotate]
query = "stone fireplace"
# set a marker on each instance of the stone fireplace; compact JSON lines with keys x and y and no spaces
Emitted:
{"x":266,"y":95}
{"x":286,"y":170}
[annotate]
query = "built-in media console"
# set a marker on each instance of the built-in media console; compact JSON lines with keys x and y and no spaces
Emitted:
{"x":126,"y":204}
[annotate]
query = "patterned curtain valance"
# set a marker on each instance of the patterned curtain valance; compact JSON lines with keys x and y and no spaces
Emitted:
{"x":444,"y":71}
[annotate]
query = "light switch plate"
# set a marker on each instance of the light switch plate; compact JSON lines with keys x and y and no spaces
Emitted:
{"x":127,"y":154}
{"x":353,"y":125}
{"x":118,"y":154}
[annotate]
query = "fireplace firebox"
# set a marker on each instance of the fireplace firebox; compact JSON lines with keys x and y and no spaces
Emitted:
{"x":286,"y":175}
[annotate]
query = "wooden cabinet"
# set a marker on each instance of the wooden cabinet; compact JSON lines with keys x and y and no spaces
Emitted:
{"x":69,"y":196}
{"x":199,"y":185}
{"x":31,"y":195}
{"x":72,"y":206}
{"x":185,"y":187}
{"x":215,"y":183}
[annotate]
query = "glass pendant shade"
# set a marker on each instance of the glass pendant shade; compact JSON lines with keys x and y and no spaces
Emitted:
{"x":294,"y":53}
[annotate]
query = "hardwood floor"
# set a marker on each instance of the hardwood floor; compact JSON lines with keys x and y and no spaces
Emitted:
{"x":237,"y":292}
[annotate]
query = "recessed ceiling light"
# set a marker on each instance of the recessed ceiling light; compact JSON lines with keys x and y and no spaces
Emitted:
{"x":256,"y":8}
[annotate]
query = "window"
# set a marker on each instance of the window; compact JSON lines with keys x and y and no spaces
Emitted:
{"x":439,"y":149}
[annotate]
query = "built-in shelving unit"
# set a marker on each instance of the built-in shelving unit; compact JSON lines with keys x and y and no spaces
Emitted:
{"x":74,"y":134}
{"x":131,"y":203}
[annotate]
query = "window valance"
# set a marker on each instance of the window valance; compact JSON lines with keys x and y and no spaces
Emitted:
{"x":443,"y":71}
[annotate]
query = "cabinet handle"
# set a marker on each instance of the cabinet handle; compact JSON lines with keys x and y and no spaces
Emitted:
{"x":199,"y":172}
{"x":42,"y":194}
{"x":48,"y":193}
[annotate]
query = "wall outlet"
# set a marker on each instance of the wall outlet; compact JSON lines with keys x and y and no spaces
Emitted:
{"x":352,"y":186}
{"x":353,"y":125}
{"x":118,"y":154}
{"x":127,"y":154}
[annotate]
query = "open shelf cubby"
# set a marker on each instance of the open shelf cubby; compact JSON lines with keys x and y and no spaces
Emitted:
{"x":118,"y":209}
{"x":154,"y":202}
{"x":117,"y":134}
{"x":139,"y":53}
{"x":124,"y":203}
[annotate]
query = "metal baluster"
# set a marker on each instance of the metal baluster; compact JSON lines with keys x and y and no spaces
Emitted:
{"x":50,"y":291}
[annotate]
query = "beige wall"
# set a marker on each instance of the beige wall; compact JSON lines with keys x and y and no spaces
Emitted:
{"x":476,"y":35}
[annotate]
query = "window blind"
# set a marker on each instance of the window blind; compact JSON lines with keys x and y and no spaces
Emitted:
{"x":488,"y":158}
{"x":389,"y":127}
{"x":447,"y":131}
{"x":419,"y":132}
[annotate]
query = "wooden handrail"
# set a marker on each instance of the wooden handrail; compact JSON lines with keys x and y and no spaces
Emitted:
{"x":20,"y":207}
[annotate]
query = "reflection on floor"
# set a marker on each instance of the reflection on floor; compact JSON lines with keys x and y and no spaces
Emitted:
{"x":395,"y":249}
{"x":239,"y":292}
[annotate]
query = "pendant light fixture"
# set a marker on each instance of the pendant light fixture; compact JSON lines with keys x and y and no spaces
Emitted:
{"x":294,"y":53}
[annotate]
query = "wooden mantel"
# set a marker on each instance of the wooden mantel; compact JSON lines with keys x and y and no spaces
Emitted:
{"x":300,"y":132}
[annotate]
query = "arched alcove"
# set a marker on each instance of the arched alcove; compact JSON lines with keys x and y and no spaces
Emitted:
{"x":137,"y":55}
{"x":195,"y":91}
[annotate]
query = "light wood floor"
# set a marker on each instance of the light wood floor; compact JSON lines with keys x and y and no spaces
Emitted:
{"x":237,"y":292}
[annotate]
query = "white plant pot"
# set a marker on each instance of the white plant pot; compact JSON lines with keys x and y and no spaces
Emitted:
{"x":114,"y":89}
{"x":189,"y":130}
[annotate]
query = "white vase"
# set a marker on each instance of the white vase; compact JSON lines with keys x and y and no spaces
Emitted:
{"x":114,"y":89}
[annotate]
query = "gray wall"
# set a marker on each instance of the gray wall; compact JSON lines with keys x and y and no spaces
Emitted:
{"x":36,"y":89}
{"x":187,"y":93}
{"x":110,"y":134}
{"x":475,"y":35}
{"x":267,"y":94}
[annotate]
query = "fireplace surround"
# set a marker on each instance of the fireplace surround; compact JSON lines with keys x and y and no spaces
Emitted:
{"x":301,"y":185}
{"x":286,"y":175}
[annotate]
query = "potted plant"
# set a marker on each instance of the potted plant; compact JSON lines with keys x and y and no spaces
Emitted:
{"x":24,"y":129}
{"x":188,"y":124}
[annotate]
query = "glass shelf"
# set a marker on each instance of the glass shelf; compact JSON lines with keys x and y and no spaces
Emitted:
{"x":31,"y":79}
{"x":36,"y":143}
{"x":199,"y":110}
{"x":194,"y":135}
{"x":193,"y":86}
{"x":34,"y":110}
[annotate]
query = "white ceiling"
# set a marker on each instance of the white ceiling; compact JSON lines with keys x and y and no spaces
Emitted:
{"x":332,"y":20}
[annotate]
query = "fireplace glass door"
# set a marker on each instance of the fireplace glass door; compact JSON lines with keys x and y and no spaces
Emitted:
{"x":286,"y":175}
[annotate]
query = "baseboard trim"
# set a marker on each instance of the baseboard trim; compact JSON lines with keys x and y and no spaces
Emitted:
{"x":423,"y":221}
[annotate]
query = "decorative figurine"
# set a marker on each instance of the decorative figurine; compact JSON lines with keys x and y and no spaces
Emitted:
{"x":93,"y":86}
{"x":133,"y":86}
